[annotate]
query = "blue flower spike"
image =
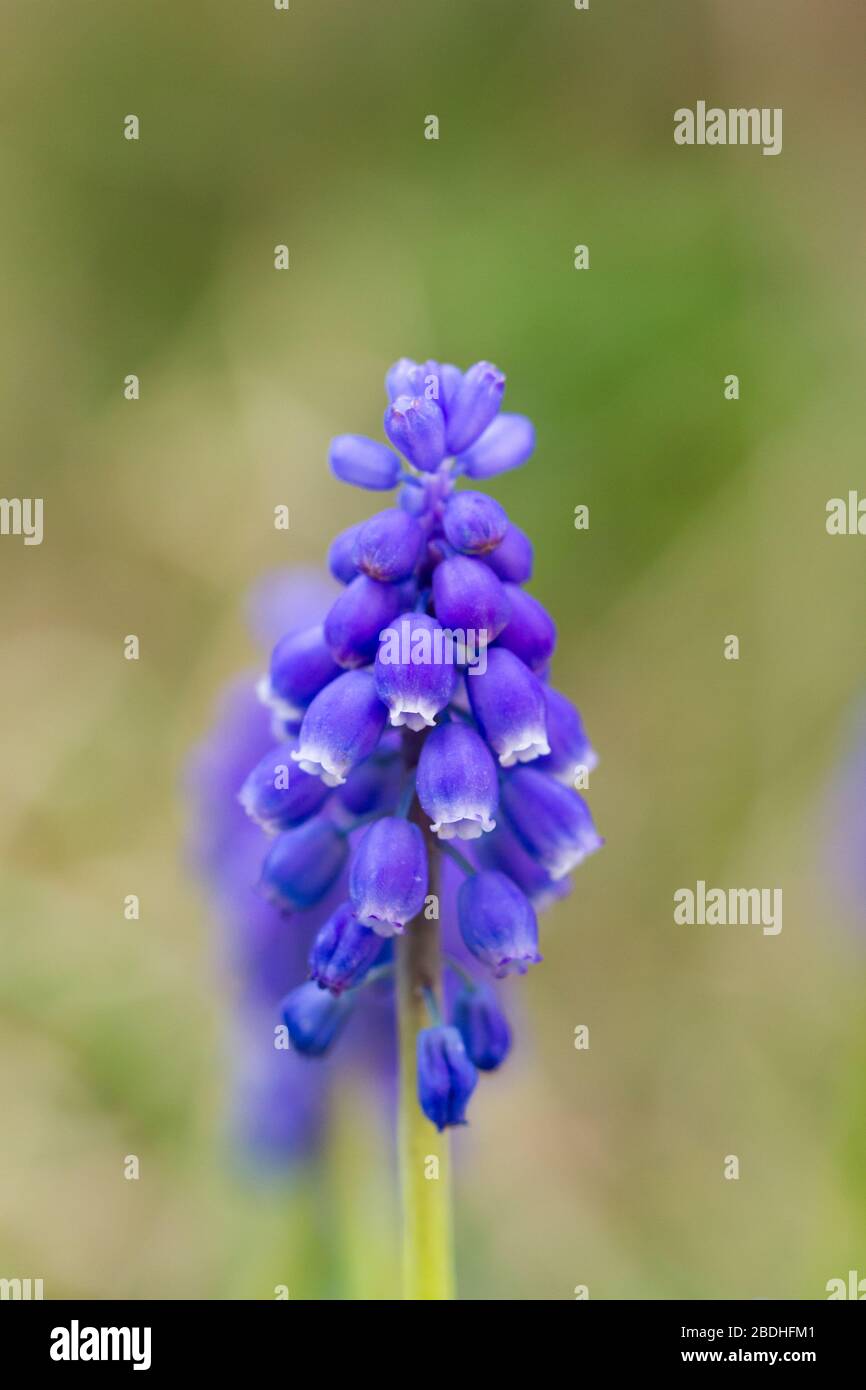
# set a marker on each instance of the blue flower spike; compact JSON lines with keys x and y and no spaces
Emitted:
{"x":414,"y":722}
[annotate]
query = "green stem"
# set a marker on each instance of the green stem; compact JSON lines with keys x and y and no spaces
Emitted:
{"x":428,"y":1259}
{"x":406,"y":797}
{"x":456,"y":857}
{"x":459,"y":971}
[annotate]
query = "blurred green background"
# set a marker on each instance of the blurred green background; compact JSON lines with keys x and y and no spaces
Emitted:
{"x":601,"y":1167}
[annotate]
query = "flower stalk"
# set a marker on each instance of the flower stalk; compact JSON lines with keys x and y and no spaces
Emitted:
{"x":425,"y":1178}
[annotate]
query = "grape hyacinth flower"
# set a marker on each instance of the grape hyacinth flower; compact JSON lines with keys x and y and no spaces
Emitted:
{"x":552,"y":822}
{"x":502,"y":850}
{"x":364,"y":462}
{"x":388,"y":877}
{"x":530,"y":631}
{"x":446,"y":1077}
{"x":474,"y":523}
{"x":303,"y":864}
{"x":498,"y":923}
{"x":508,"y":703}
{"x":513,"y":556}
{"x":418,"y":709}
{"x":344,"y":951}
{"x":387,"y":547}
{"x":278,"y":1103}
{"x":413,"y":686}
{"x":301,"y":665}
{"x":341,"y":555}
{"x":357,"y":617}
{"x":506,"y":443}
{"x":468,"y":597}
{"x":571,"y":752}
{"x":482,"y":1025}
{"x":457,"y":784}
{"x":416,"y":426}
{"x":342,"y":727}
{"x":313,"y":1017}
{"x":277,"y":795}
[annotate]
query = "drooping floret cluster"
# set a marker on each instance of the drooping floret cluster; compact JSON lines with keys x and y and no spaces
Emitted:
{"x":417,"y":714}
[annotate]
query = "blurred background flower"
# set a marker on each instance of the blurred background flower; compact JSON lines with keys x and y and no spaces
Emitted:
{"x":599,"y":1166}
{"x":279,"y":1106}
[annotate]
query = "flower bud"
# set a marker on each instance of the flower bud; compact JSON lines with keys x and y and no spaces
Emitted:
{"x":277,"y":794}
{"x":363,"y":462}
{"x":357,"y":617}
{"x":342,"y":726}
{"x":512,"y":558}
{"x":437,"y":381}
{"x":476,"y":402}
{"x":446,"y":1077}
{"x":552,"y":822}
{"x":450,"y":380}
{"x":404,"y":378}
{"x":303,"y":864}
{"x":498,"y":923}
{"x":314,"y":1017}
{"x":570,"y":749}
{"x":483,"y":1027}
{"x":341,"y":553}
{"x":457,"y":783}
{"x":416,"y":426}
{"x":508,"y":703}
{"x":506,"y":443}
{"x":388,"y":875}
{"x":343,"y":951}
{"x":503,"y":851}
{"x":415,"y":674}
{"x":474,"y":523}
{"x":301,"y":666}
{"x":467,"y":595}
{"x":277,"y":1103}
{"x":285,"y":601}
{"x":387,"y":546}
{"x":374,"y":785}
{"x":530,"y":631}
